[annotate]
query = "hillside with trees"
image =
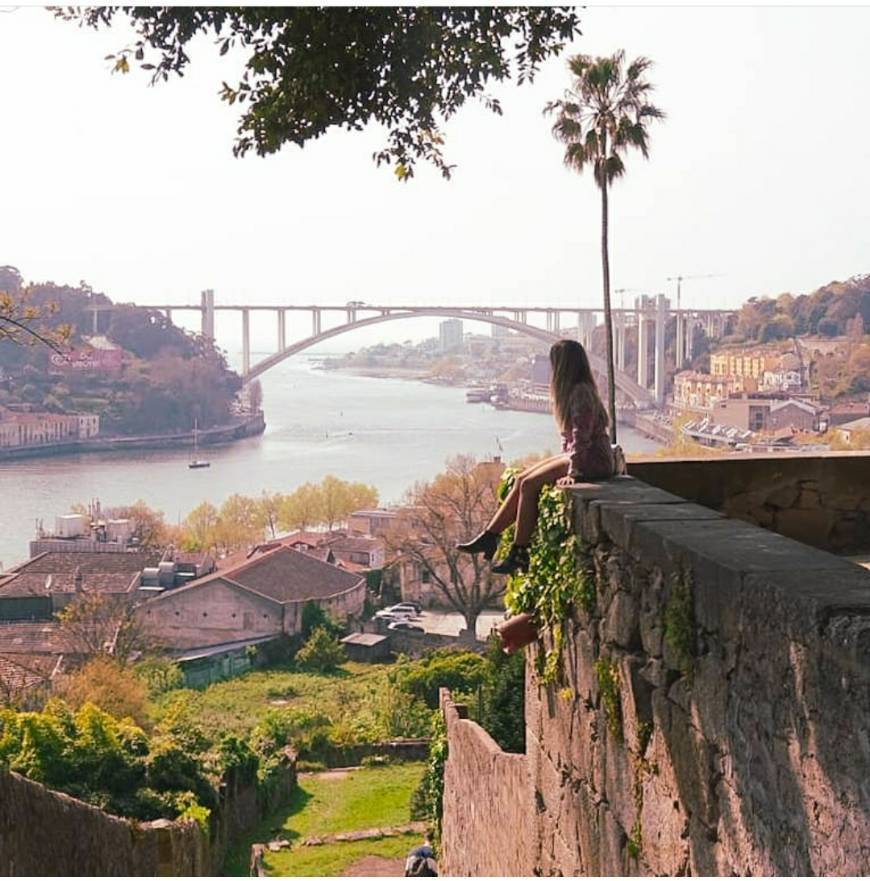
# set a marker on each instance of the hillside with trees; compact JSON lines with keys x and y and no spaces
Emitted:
{"x":166,"y":378}
{"x":837,"y":309}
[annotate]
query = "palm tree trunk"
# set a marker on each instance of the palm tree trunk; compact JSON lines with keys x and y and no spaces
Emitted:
{"x":608,"y":318}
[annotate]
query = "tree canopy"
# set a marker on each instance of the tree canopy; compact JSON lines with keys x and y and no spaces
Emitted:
{"x":309,"y":69}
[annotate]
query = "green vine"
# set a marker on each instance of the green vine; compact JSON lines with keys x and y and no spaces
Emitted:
{"x":554,"y":581}
{"x":427,"y":801}
{"x":607,"y":674}
{"x":679,"y":623}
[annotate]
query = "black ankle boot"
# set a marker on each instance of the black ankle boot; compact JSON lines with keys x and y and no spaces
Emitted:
{"x":486,"y":542}
{"x":517,"y":560}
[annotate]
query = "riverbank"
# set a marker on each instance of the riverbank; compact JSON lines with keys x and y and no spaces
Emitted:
{"x":647,"y":426}
{"x":222,"y":434}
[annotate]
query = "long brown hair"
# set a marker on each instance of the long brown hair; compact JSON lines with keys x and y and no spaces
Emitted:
{"x":569,"y":367}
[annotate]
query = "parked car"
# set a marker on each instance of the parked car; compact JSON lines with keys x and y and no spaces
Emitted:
{"x":405,"y":625}
{"x":390,"y":615}
{"x":413,"y":608}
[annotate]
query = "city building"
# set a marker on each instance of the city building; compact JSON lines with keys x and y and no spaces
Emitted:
{"x":743,"y":363}
{"x":450,"y":337}
{"x":261,"y":596}
{"x":701,"y":390}
{"x":45,"y":584}
{"x":541,"y":371}
{"x":758,"y":414}
{"x":27,"y":428}
{"x":847,"y":430}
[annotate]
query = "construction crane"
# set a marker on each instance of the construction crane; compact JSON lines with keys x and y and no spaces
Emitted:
{"x":679,"y":279}
{"x":684,"y":345}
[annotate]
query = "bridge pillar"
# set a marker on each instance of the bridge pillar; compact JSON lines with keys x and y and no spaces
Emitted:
{"x":315,"y":322}
{"x":169,"y":315}
{"x":691,"y":324}
{"x":96,"y":325}
{"x":351,"y":315}
{"x":556,"y":321}
{"x":246,"y":341}
{"x":681,"y":340}
{"x":662,"y":305}
{"x":620,"y":341}
{"x":642,"y":343}
{"x":207,"y":313}
{"x":282,"y":330}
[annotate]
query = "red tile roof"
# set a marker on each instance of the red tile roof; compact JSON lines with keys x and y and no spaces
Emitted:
{"x":282,"y":574}
{"x":18,"y":672}
{"x":54,"y":572}
{"x":31,"y":637}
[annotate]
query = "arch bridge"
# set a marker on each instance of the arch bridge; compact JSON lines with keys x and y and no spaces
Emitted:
{"x":649,"y":317}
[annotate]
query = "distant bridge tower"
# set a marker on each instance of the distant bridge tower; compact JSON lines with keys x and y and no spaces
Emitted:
{"x":207,"y":301}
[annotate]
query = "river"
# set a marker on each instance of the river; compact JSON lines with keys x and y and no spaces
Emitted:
{"x":385,"y":432}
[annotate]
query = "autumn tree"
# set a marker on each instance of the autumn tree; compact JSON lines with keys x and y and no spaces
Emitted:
{"x":269,"y":512}
{"x":302,"y":508}
{"x":239,"y":523}
{"x":310,"y":69}
{"x":456,"y":504}
{"x":200,"y":525}
{"x":25,"y":322}
{"x":112,"y":687}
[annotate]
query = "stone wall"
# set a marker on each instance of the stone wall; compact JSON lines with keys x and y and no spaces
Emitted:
{"x":487,"y":799}
{"x":823,"y":501}
{"x":48,"y":833}
{"x":713,"y":713}
{"x":43,"y":832}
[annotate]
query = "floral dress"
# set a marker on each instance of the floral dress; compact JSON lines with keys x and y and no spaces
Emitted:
{"x":587,"y":442}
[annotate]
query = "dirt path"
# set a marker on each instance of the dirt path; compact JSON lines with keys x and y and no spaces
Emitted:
{"x":375,"y":867}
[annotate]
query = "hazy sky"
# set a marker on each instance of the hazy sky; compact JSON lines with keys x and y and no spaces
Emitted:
{"x":761,"y":173}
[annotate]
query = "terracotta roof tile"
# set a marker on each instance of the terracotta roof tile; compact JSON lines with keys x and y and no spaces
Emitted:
{"x":31,"y":637}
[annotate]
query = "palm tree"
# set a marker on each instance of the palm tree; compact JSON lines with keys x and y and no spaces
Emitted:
{"x":603,"y":114}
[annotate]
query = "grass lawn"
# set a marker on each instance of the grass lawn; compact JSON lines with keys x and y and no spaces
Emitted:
{"x":334,"y":859}
{"x":236,"y":705}
{"x":327,"y":803}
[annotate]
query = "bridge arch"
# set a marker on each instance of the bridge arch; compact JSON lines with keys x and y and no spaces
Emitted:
{"x":623,"y":382}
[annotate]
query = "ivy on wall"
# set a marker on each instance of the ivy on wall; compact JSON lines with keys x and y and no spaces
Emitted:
{"x":555,"y":581}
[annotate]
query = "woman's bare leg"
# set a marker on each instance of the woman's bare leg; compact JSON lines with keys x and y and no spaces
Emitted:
{"x":507,"y":511}
{"x":529,"y":489}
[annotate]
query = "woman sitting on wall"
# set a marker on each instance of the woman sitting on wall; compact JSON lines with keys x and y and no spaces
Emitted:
{"x":586,"y":455}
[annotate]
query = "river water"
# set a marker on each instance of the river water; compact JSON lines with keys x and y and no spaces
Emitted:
{"x":385,"y":432}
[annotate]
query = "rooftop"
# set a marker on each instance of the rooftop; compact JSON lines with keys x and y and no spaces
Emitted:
{"x":55,"y":572}
{"x":281,"y":574}
{"x":30,"y":637}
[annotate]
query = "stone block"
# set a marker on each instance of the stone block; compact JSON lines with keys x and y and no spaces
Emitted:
{"x":618,"y":519}
{"x":621,"y":623}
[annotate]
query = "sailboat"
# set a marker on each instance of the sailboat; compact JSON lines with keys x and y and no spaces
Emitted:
{"x":196,"y":462}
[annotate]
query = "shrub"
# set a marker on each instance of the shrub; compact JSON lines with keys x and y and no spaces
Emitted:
{"x":159,"y":675}
{"x":104,"y":682}
{"x":321,"y":652}
{"x":314,"y":618}
{"x":502,"y":711}
{"x":444,"y":668}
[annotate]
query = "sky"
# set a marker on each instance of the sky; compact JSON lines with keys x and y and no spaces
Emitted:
{"x":759,"y":176}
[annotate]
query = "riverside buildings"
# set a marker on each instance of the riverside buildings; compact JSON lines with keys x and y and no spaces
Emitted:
{"x":23,"y":427}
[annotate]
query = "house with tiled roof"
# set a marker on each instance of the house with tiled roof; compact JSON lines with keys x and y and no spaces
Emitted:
{"x":23,"y":678}
{"x":259,"y":594}
{"x":46,"y":583}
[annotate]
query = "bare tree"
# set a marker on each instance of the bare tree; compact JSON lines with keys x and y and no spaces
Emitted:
{"x":456,"y":504}
{"x":102,"y":624}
